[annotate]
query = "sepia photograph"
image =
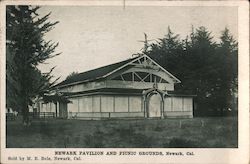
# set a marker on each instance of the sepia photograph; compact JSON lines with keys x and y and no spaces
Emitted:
{"x":117,"y":76}
{"x":113,"y":77}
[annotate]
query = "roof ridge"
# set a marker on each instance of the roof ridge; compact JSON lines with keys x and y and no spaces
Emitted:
{"x":106,"y":65}
{"x":94,"y":73}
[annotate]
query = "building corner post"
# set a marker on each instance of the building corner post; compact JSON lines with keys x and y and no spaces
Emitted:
{"x":144,"y":106}
{"x":162,"y":106}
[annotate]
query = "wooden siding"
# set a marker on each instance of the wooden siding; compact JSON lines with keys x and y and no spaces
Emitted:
{"x":121,"y":104}
{"x":168,"y":104}
{"x":86,"y":104}
{"x":135,"y":104}
{"x":48,"y":107}
{"x":178,"y":107}
{"x":116,"y":84}
{"x":73,"y":107}
{"x":188,"y":104}
{"x":96,"y":104}
{"x":107,"y":106}
{"x":137,"y":85}
{"x":124,"y":84}
{"x":104,"y":103}
{"x":84,"y":87}
{"x":177,"y":104}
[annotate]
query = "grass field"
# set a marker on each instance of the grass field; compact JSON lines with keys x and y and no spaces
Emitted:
{"x":58,"y":133}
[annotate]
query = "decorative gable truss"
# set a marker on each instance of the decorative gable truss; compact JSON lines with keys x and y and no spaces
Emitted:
{"x":143,"y":69}
{"x":140,"y":77}
{"x":139,"y":73}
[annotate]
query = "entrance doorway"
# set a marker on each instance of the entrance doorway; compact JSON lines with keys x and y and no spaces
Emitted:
{"x":154,"y":105}
{"x":63,"y":112}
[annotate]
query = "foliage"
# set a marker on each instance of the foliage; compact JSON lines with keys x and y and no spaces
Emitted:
{"x":206,"y":68}
{"x":182,"y":143}
{"x":71,"y":75}
{"x":26,"y":48}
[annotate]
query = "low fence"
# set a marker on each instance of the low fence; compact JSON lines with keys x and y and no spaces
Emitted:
{"x":11,"y":116}
{"x":107,"y":115}
{"x":42,"y":114}
{"x":100,"y":115}
{"x":33,"y":115}
{"x":178,"y":114}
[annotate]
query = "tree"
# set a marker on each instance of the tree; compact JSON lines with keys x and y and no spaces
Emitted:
{"x":26,"y":48}
{"x":206,"y":69}
{"x":227,"y":67}
{"x":201,"y":58}
{"x":71,"y":75}
{"x":167,"y":52}
{"x":12,"y":87}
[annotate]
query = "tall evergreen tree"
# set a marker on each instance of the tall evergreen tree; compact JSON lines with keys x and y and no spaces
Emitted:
{"x":227,"y":72}
{"x":167,"y":52}
{"x":71,"y":74}
{"x":202,"y":69}
{"x":26,"y":48}
{"x":205,"y":68}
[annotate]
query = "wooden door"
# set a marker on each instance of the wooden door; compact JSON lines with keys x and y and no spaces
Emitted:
{"x":154,"y":106}
{"x":63,"y":111}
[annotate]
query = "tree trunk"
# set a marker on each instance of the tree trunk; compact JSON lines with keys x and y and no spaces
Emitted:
{"x":25,"y":113}
{"x":56,"y":108}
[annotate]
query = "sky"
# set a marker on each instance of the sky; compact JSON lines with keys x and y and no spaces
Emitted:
{"x":94,"y":36}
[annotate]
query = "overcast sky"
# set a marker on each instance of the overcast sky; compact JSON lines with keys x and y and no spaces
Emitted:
{"x":90,"y":37}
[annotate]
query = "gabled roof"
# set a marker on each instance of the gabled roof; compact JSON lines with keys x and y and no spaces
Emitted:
{"x":120,"y":91}
{"x":124,"y":91}
{"x":105,"y":71}
{"x":94,"y":74}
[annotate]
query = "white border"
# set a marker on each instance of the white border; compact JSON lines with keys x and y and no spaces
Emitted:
{"x":236,"y":155}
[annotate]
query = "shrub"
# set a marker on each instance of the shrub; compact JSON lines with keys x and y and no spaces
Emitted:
{"x":159,"y":128}
{"x":182,"y":143}
{"x":141,"y":141}
{"x":95,"y":140}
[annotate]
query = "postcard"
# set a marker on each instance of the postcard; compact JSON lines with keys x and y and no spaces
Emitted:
{"x":124,"y":81}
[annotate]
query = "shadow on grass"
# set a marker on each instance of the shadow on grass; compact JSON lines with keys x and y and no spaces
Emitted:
{"x":182,"y":143}
{"x":216,"y":133}
{"x":126,"y":137}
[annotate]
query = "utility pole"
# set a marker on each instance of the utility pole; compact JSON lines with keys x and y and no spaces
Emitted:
{"x":124,"y":4}
{"x":146,"y":43}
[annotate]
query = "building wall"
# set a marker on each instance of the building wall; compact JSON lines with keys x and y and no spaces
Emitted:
{"x":84,"y":86}
{"x":48,"y":107}
{"x":137,"y":85}
{"x":79,"y":87}
{"x":112,"y":106}
{"x":178,"y":107}
{"x":135,"y":104}
{"x":116,"y":84}
{"x":108,"y":105}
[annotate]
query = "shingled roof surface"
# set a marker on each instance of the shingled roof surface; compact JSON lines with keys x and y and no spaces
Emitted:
{"x":124,"y":91}
{"x":119,"y":91}
{"x":94,"y":74}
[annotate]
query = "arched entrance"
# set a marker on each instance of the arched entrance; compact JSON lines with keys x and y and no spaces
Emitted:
{"x":154,"y":105}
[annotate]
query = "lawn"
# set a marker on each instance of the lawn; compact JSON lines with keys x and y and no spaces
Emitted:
{"x":58,"y":133}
